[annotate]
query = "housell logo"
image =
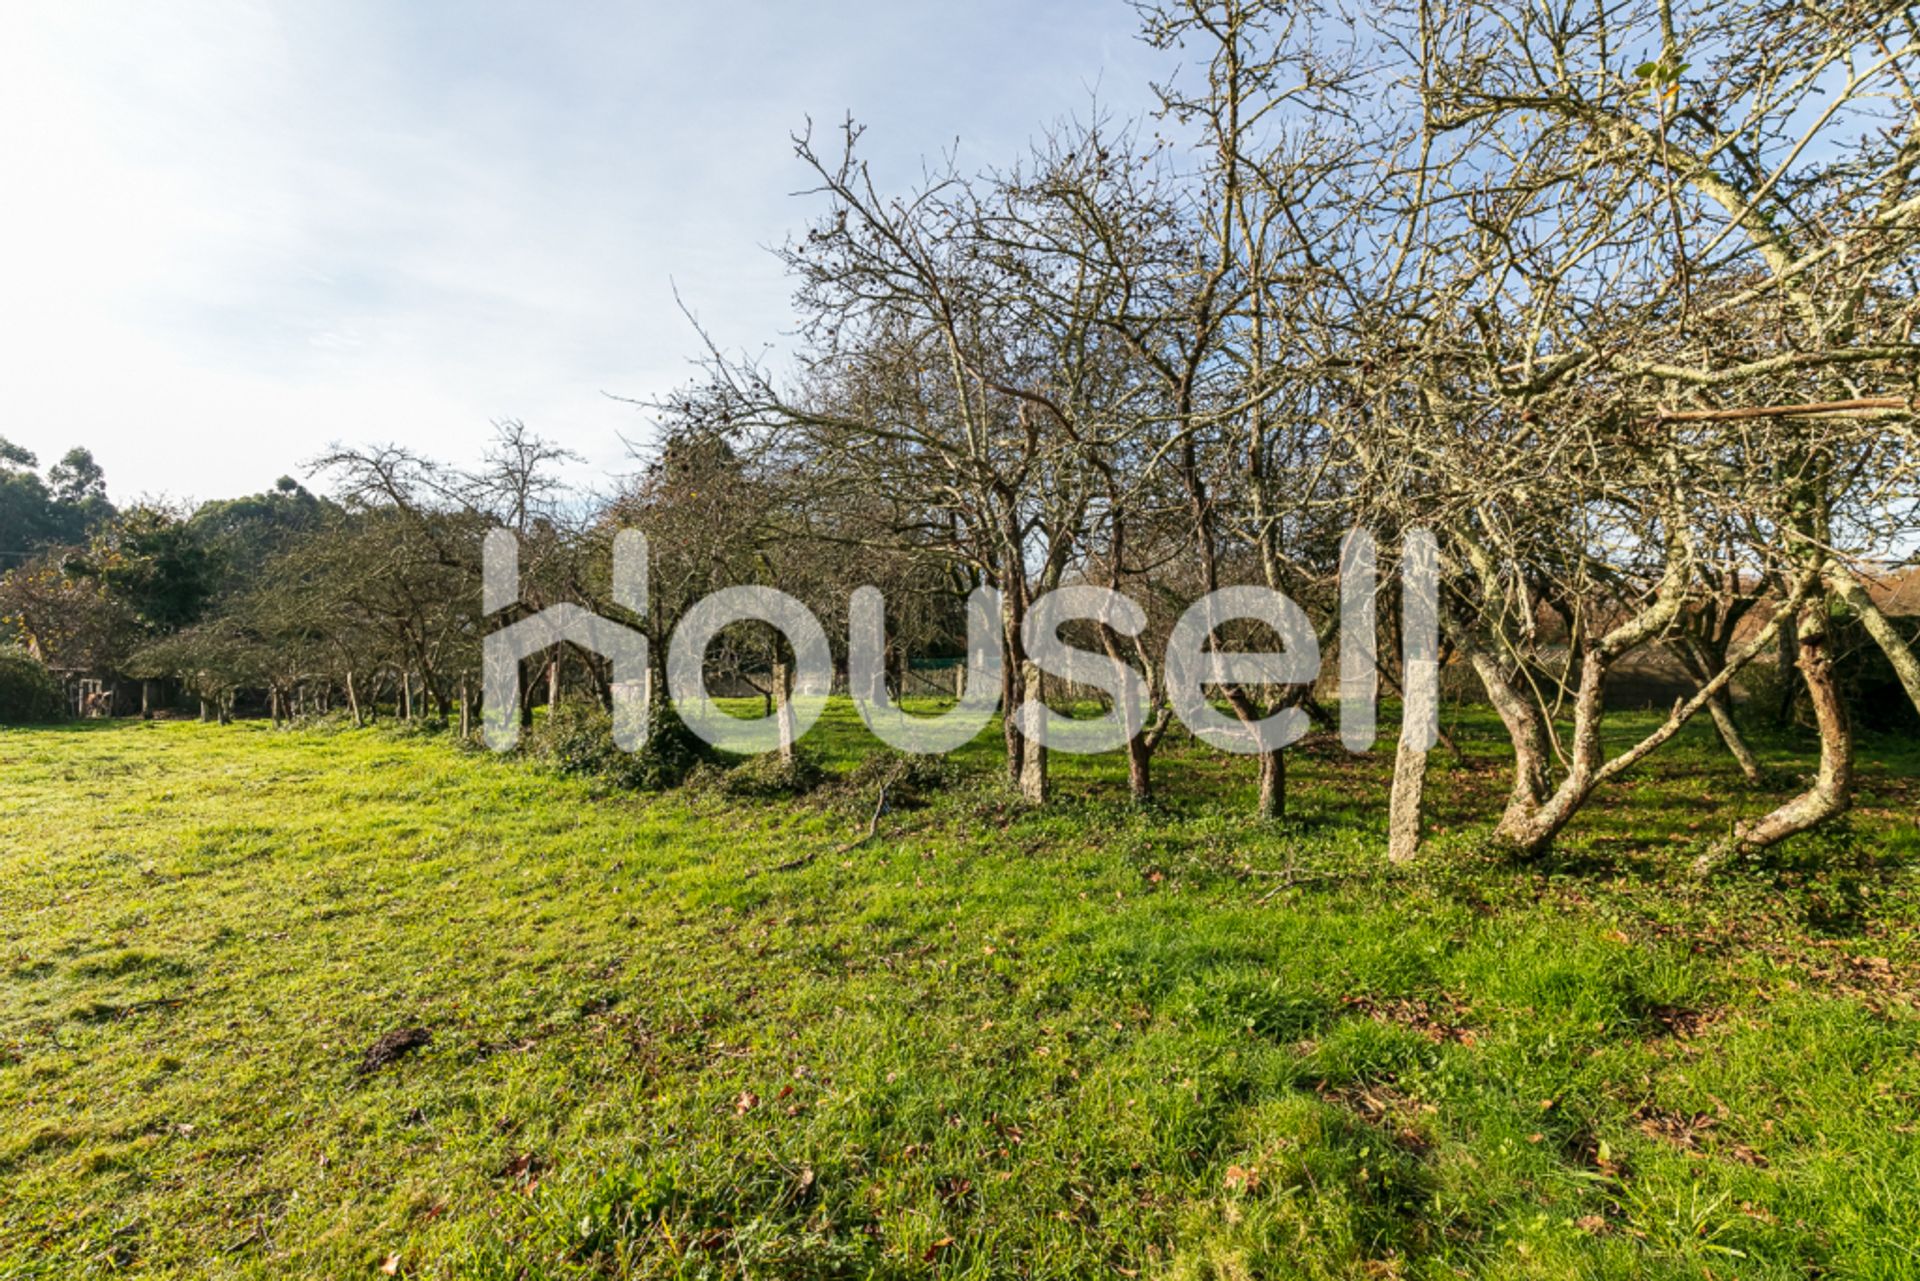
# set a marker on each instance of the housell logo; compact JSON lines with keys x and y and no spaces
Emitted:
{"x":1194,"y":661}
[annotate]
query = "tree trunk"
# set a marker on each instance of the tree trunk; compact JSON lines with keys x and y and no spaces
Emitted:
{"x":1272,"y":799}
{"x":1011,"y":696}
{"x":1405,"y":804}
{"x":1832,"y":791}
{"x":553,"y":682}
{"x":1525,"y":730}
{"x":466,"y":710}
{"x":1033,"y":758}
{"x":1530,"y":829}
{"x":1026,"y":761}
{"x":1272,"y":802}
{"x":1699,"y":668}
{"x":783,"y":701}
{"x":353,"y":699}
{"x":1139,"y":769}
{"x":1722,"y":713}
{"x":1789,"y":659}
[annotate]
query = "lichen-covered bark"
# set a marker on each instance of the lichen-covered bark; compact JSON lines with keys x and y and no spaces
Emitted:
{"x":1831,"y":792}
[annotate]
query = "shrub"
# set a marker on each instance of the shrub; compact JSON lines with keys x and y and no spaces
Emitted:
{"x":577,"y":740}
{"x":417,"y":727}
{"x":911,"y":781}
{"x":1761,"y":685}
{"x":28,"y":692}
{"x":768,"y":777}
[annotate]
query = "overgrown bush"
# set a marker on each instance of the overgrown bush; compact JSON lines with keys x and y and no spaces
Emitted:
{"x":768,"y":777}
{"x":1760,"y":687}
{"x":29,"y":694}
{"x":911,"y":781}
{"x":577,"y":740}
{"x":416,"y":727}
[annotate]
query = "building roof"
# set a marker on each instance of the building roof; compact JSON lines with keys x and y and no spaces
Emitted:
{"x":1897,"y":593}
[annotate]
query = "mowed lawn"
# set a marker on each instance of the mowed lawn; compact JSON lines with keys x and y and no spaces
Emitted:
{"x":1089,"y":1041}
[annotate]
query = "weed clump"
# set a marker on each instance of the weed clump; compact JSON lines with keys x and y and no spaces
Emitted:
{"x":577,"y":740}
{"x":415,"y":727}
{"x":769,"y":777}
{"x":911,"y":781}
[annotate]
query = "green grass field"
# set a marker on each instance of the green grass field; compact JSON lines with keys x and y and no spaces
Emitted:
{"x":1088,"y":1041}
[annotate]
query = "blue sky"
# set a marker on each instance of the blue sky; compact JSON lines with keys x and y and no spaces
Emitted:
{"x":234,"y":232}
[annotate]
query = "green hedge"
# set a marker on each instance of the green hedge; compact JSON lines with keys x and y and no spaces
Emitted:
{"x":28,"y":692}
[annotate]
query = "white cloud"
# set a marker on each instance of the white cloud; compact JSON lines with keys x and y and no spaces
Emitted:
{"x":237,"y":231}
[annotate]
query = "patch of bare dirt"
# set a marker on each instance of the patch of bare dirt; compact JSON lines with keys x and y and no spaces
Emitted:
{"x":393,"y":1047}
